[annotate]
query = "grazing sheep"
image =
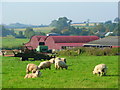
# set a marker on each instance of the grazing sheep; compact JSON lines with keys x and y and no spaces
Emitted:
{"x":45,"y":64}
{"x":31,"y":68}
{"x":62,"y":59}
{"x":100,"y":69}
{"x":33,"y":75}
{"x":60,"y":64}
{"x":52,"y":60}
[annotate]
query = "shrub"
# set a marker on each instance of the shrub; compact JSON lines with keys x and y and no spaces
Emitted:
{"x":90,"y":51}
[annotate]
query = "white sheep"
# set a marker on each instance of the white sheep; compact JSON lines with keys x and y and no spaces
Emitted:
{"x":100,"y":69}
{"x":52,"y":60}
{"x":60,"y":64}
{"x":33,"y":75}
{"x":62,"y":59}
{"x":31,"y":68}
{"x":45,"y":64}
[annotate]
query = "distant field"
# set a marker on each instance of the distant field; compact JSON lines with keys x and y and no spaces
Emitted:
{"x":78,"y":75}
{"x":12,"y":42}
{"x":40,"y":29}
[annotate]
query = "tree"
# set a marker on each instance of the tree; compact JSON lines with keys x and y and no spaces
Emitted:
{"x":117,"y":19}
{"x":20,"y":35}
{"x":4,"y":32}
{"x":108,"y":22}
{"x":29,"y":32}
{"x":61,"y":24}
{"x":100,"y":28}
{"x":53,"y":23}
{"x":40,"y":33}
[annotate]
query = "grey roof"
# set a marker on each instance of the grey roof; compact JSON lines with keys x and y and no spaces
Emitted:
{"x":111,"y":40}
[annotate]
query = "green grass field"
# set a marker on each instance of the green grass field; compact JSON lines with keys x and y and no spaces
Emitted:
{"x":78,"y":75}
{"x":12,"y":42}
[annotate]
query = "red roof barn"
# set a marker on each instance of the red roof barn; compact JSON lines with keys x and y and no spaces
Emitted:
{"x":57,"y":42}
{"x":34,"y":41}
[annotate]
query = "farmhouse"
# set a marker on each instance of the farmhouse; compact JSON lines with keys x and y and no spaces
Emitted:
{"x":60,"y":42}
{"x":110,"y":41}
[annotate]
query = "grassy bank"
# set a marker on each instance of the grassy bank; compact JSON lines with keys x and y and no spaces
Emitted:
{"x":78,"y":75}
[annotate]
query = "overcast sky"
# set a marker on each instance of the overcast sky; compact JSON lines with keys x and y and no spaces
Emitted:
{"x":45,"y":12}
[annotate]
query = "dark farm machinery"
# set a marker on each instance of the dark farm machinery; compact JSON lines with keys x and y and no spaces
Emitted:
{"x":36,"y":54}
{"x":27,"y":52}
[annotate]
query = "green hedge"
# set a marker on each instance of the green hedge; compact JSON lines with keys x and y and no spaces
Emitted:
{"x":89,"y":51}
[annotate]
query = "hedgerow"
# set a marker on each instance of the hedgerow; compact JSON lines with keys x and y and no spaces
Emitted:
{"x":90,"y":51}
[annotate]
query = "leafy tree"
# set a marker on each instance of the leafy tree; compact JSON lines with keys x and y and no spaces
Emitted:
{"x":12,"y":32}
{"x":40,"y":33}
{"x":108,"y":22}
{"x":29,"y":32}
{"x":4,"y":32}
{"x":61,"y":24}
{"x":117,"y":19}
{"x":53,"y":23}
{"x":20,"y":35}
{"x":100,"y":28}
{"x":65,"y":31}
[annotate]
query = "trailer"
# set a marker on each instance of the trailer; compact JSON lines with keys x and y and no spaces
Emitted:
{"x":27,"y":53}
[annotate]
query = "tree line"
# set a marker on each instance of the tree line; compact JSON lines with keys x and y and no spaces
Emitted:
{"x":28,"y":33}
{"x":63,"y":27}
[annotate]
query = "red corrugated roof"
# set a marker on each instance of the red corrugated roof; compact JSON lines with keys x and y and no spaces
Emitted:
{"x":36,"y":37}
{"x":73,"y":39}
{"x":43,"y":37}
{"x":70,"y":44}
{"x":34,"y":41}
{"x":58,"y":41}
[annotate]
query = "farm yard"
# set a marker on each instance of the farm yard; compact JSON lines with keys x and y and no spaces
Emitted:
{"x":78,"y":75}
{"x":70,"y":48}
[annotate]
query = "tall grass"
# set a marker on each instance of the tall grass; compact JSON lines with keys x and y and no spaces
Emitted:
{"x":78,"y":75}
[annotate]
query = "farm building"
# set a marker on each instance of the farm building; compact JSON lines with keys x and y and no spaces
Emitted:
{"x":60,"y":42}
{"x":34,"y":41}
{"x":111,"y":41}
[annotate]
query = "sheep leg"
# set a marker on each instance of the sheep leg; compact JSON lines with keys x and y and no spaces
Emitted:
{"x":27,"y":71}
{"x":66,"y":68}
{"x":101,"y":73}
{"x":59,"y":67}
{"x":98,"y":74}
{"x":25,"y":77}
{"x":56,"y":67}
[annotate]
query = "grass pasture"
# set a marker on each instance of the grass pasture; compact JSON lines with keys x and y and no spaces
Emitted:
{"x":78,"y":75}
{"x":12,"y":42}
